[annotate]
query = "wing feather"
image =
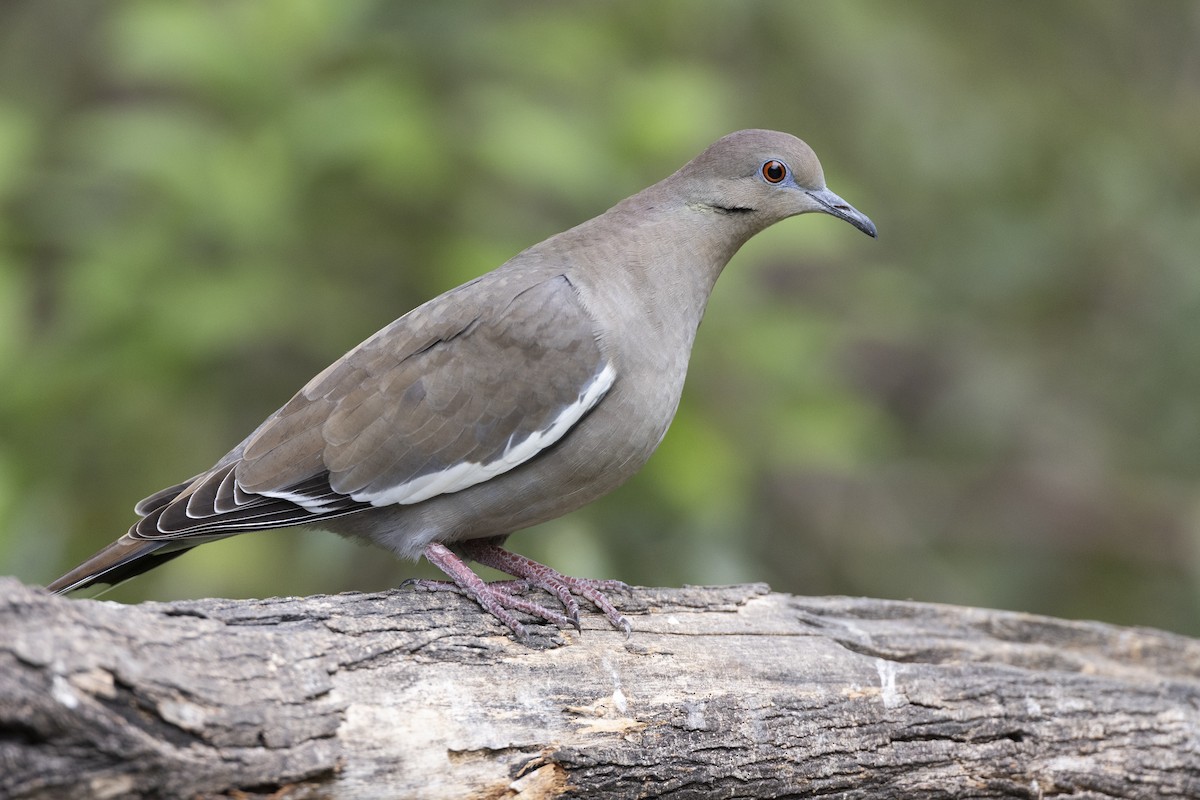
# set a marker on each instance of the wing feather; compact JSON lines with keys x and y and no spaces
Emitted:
{"x":468,"y":386}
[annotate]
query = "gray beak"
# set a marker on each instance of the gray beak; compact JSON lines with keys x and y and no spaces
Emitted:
{"x":832,"y":204}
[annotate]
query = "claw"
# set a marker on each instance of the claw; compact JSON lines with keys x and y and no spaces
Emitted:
{"x":499,"y":597}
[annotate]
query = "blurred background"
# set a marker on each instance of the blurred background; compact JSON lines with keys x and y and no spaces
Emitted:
{"x":997,"y":403}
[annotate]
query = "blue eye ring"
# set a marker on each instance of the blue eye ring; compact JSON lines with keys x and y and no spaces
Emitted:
{"x":774,"y":171}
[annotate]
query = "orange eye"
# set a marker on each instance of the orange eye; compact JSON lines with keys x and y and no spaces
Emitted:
{"x":774,"y":171}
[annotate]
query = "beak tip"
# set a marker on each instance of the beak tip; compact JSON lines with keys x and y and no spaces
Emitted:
{"x":829,"y":203}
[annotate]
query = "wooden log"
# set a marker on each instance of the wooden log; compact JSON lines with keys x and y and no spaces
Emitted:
{"x":720,"y":692}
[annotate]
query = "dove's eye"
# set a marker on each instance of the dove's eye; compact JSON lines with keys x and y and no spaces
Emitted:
{"x":774,"y":171}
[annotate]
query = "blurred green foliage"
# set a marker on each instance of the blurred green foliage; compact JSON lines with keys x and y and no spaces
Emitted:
{"x":997,"y":403}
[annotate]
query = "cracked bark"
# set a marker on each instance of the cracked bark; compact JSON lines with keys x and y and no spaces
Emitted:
{"x":720,"y":692}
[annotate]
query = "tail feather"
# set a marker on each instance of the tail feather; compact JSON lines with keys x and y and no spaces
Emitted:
{"x":205,"y":508}
{"x":120,"y":561}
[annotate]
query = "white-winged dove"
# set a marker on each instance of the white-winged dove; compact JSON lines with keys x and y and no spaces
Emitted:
{"x":511,"y":400}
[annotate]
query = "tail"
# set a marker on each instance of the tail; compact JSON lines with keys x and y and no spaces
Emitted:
{"x":120,"y":561}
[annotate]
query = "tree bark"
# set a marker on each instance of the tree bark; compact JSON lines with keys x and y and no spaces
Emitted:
{"x":730,"y":692}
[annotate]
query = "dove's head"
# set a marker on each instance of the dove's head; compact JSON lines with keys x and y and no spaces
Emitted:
{"x":765,"y":175}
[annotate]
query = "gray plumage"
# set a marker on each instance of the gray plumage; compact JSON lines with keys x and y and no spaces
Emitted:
{"x":508,"y":401}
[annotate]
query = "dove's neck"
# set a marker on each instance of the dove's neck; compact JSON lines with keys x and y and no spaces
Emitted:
{"x":665,"y":250}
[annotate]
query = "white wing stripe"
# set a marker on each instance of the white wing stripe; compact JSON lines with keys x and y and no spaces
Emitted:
{"x":469,"y":473}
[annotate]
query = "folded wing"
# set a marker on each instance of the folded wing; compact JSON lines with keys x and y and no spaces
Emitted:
{"x":467,"y":387}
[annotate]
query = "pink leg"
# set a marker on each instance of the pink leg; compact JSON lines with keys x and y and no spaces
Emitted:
{"x":498,"y":597}
{"x":492,"y":555}
{"x":495,"y":599}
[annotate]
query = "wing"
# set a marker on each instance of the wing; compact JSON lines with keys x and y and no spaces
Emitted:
{"x":466,"y":387}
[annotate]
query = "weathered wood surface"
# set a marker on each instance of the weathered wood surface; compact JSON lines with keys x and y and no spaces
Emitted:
{"x":728,"y":692}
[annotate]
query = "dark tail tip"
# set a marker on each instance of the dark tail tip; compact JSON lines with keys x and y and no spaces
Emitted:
{"x":117,"y":563}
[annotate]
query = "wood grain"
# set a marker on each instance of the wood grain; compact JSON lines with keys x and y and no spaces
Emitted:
{"x":730,"y":692}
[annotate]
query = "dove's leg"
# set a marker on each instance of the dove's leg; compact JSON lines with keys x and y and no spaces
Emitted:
{"x":498,"y":598}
